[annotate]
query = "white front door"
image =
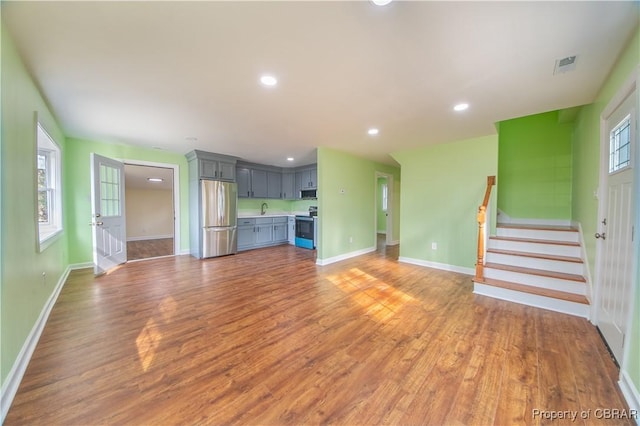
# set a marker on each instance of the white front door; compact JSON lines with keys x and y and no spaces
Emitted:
{"x":615,"y":261}
{"x":107,"y":196}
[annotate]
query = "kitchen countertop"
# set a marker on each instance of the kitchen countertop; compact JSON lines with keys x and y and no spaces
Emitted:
{"x":253,"y":216}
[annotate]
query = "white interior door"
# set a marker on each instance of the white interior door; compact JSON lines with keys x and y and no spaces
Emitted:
{"x":108,"y":223}
{"x":615,"y":261}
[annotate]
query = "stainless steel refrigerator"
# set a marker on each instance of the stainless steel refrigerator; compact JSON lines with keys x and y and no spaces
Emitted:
{"x":219,"y":217}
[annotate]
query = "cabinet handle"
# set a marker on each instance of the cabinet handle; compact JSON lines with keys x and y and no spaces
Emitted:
{"x":248,"y":194}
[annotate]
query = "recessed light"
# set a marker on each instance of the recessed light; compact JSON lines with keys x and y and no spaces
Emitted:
{"x":290,"y":158}
{"x":268,"y":80}
{"x":381,"y":2}
{"x":373,"y":131}
{"x":460,"y":107}
{"x":155,"y":179}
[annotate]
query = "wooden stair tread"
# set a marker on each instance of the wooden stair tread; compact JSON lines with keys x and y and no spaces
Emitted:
{"x":555,"y":294}
{"x":539,"y":272}
{"x":536,"y":255}
{"x":538,"y":227}
{"x":536,"y":241}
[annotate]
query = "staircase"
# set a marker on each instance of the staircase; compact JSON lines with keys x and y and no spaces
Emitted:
{"x":538,"y":266}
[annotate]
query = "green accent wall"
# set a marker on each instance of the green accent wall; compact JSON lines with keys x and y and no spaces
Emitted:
{"x":586,"y":166}
{"x":442,"y":188}
{"x":535,"y":167}
{"x":25,"y":290}
{"x":78,"y":189}
{"x":253,"y":205}
{"x":347,"y":187}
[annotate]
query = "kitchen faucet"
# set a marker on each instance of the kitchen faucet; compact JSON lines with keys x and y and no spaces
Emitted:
{"x":263,"y":208}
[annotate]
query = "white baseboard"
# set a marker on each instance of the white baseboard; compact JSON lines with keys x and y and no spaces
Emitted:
{"x":185,"y":251}
{"x":12,"y":382}
{"x":394,"y":243}
{"x":381,"y":232}
{"x":505,"y":218}
{"x":323,"y":262}
{"x":631,"y":393}
{"x":151,"y":237}
{"x":436,"y":265}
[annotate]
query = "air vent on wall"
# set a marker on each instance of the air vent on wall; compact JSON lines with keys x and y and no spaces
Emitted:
{"x":565,"y":64}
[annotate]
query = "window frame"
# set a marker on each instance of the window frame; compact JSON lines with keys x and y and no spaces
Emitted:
{"x":47,"y":232}
{"x":615,"y":147}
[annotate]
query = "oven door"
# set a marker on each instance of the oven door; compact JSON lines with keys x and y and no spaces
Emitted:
{"x":304,"y":232}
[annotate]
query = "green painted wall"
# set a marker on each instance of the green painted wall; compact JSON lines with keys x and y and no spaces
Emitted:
{"x":78,"y":190}
{"x":442,"y":187}
{"x":380,"y":213}
{"x":24,"y":290}
{"x":586,"y":165}
{"x":534,"y":163}
{"x":346,"y":202}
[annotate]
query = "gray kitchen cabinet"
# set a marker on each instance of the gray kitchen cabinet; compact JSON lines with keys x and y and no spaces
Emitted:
{"x":306,"y":179}
{"x":243,"y":178}
{"x":289,"y":185}
{"x":246,"y":234}
{"x":215,"y":169}
{"x":274,"y":185}
{"x":262,"y":232}
{"x":291,"y":230}
{"x":258,"y":183}
{"x":280,"y":229}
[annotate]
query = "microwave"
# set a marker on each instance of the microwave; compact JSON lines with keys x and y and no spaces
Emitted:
{"x":309,"y":194}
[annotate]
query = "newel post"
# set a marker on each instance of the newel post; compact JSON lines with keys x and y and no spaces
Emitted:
{"x":482,"y":211}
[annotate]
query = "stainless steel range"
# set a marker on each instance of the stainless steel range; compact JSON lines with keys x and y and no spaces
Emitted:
{"x":305,"y":229}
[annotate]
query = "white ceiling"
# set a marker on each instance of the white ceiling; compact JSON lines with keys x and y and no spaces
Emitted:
{"x":159,"y":74}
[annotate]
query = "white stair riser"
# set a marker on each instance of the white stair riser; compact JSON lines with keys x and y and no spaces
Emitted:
{"x":536,"y":263}
{"x":538,"y":234}
{"x":555,"y":249}
{"x":564,"y":306}
{"x":536,"y":281}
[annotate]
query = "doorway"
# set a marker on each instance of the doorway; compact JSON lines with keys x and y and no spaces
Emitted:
{"x":150,"y":212}
{"x":383,"y":223}
{"x":615,"y":253}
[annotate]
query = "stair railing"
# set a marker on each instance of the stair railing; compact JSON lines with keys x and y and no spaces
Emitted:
{"x":482,"y":219}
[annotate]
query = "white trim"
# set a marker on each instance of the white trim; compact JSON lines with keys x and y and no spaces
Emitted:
{"x":630,"y":393}
{"x":334,"y":259}
{"x":535,"y":300}
{"x":586,"y":272}
{"x":506,"y":219}
{"x":13,"y":379}
{"x":151,"y":237}
{"x":185,"y":251}
{"x":381,"y":232}
{"x":436,"y":265}
{"x":176,"y":195}
{"x":393,"y":243}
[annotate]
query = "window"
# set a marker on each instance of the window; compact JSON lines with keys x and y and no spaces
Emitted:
{"x":620,"y":146}
{"x":48,"y":178}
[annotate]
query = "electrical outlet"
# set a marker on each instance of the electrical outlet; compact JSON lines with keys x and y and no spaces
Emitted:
{"x":350,"y":239}
{"x":434,"y":246}
{"x":44,"y":278}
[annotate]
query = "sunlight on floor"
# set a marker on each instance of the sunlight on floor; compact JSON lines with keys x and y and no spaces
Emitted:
{"x":150,"y":337}
{"x":381,"y":300}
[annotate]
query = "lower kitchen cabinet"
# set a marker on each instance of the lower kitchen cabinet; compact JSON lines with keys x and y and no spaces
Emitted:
{"x":261,"y":232}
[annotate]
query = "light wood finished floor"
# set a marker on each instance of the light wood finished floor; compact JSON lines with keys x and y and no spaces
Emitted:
{"x":266,"y":337}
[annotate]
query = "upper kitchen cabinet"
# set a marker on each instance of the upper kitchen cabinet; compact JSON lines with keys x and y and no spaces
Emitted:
{"x":213,"y":166}
{"x":289,"y":185}
{"x":253,"y":182}
{"x":306,"y":179}
{"x":274,"y":185}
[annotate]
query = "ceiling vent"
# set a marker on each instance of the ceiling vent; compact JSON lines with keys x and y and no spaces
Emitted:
{"x":565,"y":65}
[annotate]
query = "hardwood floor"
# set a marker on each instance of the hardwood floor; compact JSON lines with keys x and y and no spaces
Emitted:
{"x":267,"y":337}
{"x":145,"y":249}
